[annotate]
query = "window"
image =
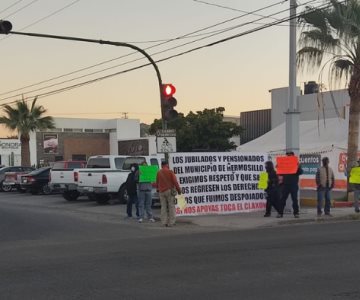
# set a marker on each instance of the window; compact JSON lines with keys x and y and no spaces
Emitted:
{"x":154,"y":162}
{"x":133,"y":160}
{"x":59,"y":165}
{"x":79,"y":157}
{"x":98,"y":162}
{"x":75,"y":164}
{"x":119,"y":161}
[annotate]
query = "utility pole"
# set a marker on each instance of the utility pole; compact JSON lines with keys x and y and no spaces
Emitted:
{"x":292,"y":113}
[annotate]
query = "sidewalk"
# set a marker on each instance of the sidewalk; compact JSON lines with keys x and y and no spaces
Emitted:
{"x":257,"y":219}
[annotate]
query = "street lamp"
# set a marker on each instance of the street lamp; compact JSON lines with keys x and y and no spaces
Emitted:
{"x":6,"y":28}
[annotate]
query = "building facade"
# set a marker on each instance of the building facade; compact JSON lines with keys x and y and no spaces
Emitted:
{"x":254,"y":124}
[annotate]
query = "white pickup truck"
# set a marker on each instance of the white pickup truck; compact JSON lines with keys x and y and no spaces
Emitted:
{"x":63,"y":178}
{"x":105,"y":175}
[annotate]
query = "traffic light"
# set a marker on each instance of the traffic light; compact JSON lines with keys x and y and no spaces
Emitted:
{"x":5,"y":27}
{"x":168,"y":102}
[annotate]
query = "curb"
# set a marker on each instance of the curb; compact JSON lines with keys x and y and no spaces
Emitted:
{"x":309,"y":202}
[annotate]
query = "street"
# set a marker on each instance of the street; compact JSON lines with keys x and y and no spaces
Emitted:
{"x":54,"y":249}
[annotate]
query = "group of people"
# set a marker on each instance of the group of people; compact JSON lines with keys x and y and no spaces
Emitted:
{"x":281,"y":186}
{"x":140,"y":194}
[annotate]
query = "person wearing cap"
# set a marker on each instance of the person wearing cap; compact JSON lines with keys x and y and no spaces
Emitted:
{"x":290,"y":186}
{"x":167,"y":186}
{"x":325,"y":181}
{"x":356,"y":188}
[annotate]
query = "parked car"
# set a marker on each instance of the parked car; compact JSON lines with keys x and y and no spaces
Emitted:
{"x":63,"y":178}
{"x":12,"y":179}
{"x":105,"y":176}
{"x":3,"y":170}
{"x":36,"y":181}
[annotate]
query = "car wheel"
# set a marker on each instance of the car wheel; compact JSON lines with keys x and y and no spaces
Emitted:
{"x":123,"y":195}
{"x":71,"y":195}
{"x":6,"y":188}
{"x":102,"y":199}
{"x":46,"y":190}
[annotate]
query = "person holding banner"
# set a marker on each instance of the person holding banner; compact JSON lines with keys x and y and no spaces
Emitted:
{"x":272,"y":190}
{"x":144,"y":196}
{"x":355,"y":184}
{"x":325,"y":181}
{"x":167,"y":186}
{"x":131,"y":189}
{"x":290,"y":185}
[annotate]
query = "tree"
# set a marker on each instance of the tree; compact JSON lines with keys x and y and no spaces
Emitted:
{"x":202,"y":131}
{"x":331,"y":38}
{"x":24,"y":120}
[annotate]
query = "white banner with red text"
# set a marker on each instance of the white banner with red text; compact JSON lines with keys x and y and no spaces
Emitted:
{"x":219,"y":182}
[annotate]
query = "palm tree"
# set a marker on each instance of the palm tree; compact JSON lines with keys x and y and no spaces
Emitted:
{"x":26,"y":119}
{"x":331,"y":38}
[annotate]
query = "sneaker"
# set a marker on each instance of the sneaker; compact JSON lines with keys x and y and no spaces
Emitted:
{"x":267,"y":215}
{"x":140,"y":220}
{"x":279,"y":216}
{"x":357,"y":210}
{"x":319,"y":214}
{"x":297,"y":216}
{"x":152,"y":220}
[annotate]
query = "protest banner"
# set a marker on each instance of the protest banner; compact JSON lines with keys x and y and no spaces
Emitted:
{"x":219,"y":182}
{"x":148,"y":173}
{"x":287,"y":164}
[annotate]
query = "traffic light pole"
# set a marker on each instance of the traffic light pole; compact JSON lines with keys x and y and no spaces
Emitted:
{"x":119,"y":44}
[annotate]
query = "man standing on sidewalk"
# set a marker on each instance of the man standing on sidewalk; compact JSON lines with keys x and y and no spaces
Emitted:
{"x":167,"y":186}
{"x":325,"y":181}
{"x":290,"y":186}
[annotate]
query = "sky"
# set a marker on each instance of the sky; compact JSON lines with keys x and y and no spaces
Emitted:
{"x":236,"y":74}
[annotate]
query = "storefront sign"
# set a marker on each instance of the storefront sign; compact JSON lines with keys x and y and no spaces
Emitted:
{"x":51,"y":143}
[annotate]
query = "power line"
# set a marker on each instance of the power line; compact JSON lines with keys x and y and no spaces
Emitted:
{"x":230,"y":8}
{"x":12,"y":5}
{"x":44,"y":18}
{"x":170,"y":57}
{"x":150,"y":47}
{"x":20,"y":9}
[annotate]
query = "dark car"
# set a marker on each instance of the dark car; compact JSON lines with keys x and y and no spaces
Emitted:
{"x":36,"y":181}
{"x":3,"y":170}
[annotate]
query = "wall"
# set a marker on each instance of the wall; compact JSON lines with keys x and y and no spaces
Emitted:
{"x":70,"y":143}
{"x":10,"y":152}
{"x":311,"y":106}
{"x":254,"y":123}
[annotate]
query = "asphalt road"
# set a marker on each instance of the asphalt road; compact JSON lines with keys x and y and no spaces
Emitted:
{"x":52,"y":249}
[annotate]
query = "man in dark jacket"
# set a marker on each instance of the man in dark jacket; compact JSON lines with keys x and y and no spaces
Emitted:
{"x":131,"y":188}
{"x":290,"y":186}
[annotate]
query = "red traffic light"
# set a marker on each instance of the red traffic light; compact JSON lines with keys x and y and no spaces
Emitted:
{"x":168,"y":89}
{"x":5,"y":27}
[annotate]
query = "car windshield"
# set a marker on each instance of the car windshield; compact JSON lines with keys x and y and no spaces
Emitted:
{"x":98,"y":162}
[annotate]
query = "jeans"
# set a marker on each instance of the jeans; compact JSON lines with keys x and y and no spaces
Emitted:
{"x":133,"y":199}
{"x":323,"y":191}
{"x":290,"y":189}
{"x":356,"y":199}
{"x":167,"y":208}
{"x":145,"y":202}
